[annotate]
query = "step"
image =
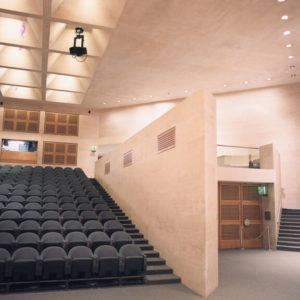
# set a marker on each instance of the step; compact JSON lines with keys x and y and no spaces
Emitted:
{"x":288,"y":239}
{"x":289,"y":234}
{"x":151,"y":253}
{"x":290,"y":219}
{"x":118,"y":213}
{"x":288,"y":248}
{"x":125,"y":221}
{"x":132,"y":230}
{"x":145,"y":247}
{"x":115,"y":211}
{"x":154,"y":261}
{"x":136,"y":235}
{"x":290,"y":223}
{"x":162,"y":279}
{"x":158,"y":269}
{"x":128,"y":225}
{"x":140,"y":241}
{"x":291,"y":243}
{"x":288,"y":210}
{"x":123,"y":218}
{"x":289,"y":227}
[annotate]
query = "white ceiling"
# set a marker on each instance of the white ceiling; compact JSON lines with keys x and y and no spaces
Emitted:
{"x":144,"y":51}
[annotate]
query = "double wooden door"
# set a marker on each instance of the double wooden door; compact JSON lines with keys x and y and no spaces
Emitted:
{"x":240,"y":216}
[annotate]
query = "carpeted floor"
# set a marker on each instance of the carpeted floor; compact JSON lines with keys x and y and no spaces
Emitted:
{"x":244,"y":275}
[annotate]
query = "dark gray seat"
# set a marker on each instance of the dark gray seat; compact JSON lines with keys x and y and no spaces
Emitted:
{"x":68,"y":206}
{"x":50,"y":206}
{"x":50,"y":199}
{"x":17,"y":198}
{"x":101,"y":207}
{"x":88,"y":215}
{"x":7,"y":241}
{"x":11,"y":215}
{"x":120,"y":238}
{"x":34,"y":193}
{"x":16,"y":206}
{"x":49,"y":193}
{"x":24,"y":264}
{"x":50,"y":215}
{"x":69,"y":215}
{"x":52,"y":239}
{"x":75,"y":238}
{"x":71,"y":226}
{"x":91,"y":226}
{"x":34,"y":199}
{"x":32,"y":215}
{"x":20,"y":186}
{"x":35,"y":187}
{"x":51,"y":226}
{"x":97,"y":200}
{"x":6,"y":186}
{"x":112,"y":226}
{"x":9,"y":226}
{"x":54,"y":261}
{"x":98,"y":238}
{"x":4,"y":191}
{"x":3,"y":199}
{"x":4,"y":264}
{"x":82,"y":200}
{"x":33,"y":206}
{"x":81,"y":262}
{"x":107,"y":260}
{"x":28,"y":239}
{"x":29,"y":226}
{"x":106,"y":216}
{"x":66,"y":199}
{"x":134,"y":262}
{"x":19,"y":193}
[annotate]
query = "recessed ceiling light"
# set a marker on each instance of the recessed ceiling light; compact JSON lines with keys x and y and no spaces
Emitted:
{"x":225,"y":85}
{"x":269,"y":78}
{"x":290,"y":57}
{"x":284,"y":17}
{"x":288,"y":45}
{"x":281,"y":0}
{"x":150,"y":96}
{"x":287,"y":32}
{"x":246,"y":82}
{"x":104,"y":102}
{"x":119,"y":101}
{"x":186,"y":91}
{"x":134,"y":99}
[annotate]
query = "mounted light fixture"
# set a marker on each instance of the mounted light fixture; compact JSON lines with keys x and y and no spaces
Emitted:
{"x":79,"y":52}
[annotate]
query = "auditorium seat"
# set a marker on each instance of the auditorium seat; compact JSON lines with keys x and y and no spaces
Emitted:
{"x":88,"y":215}
{"x":35,"y":187}
{"x":71,"y":226}
{"x":19,"y":193}
{"x":7,"y":241}
{"x":67,"y":206}
{"x":32,"y":215}
{"x":65,"y":199}
{"x":11,"y":215}
{"x":51,"y":226}
{"x":33,"y":206}
{"x":24,"y":264}
{"x":28,"y":239}
{"x":50,"y":215}
{"x":29,"y":226}
{"x":34,"y":193}
{"x":101,"y":207}
{"x":16,"y":206}
{"x":133,"y":260}
{"x":9,"y":226}
{"x":4,"y":260}
{"x":69,"y":215}
{"x":106,"y":216}
{"x":53,"y":263}
{"x":34,"y":199}
{"x":52,"y":239}
{"x":97,"y":200}
{"x":81,"y":262}
{"x":50,"y":206}
{"x":3,"y":199}
{"x":20,"y":186}
{"x":112,"y":226}
{"x":82,"y":200}
{"x":98,"y":238}
{"x":17,"y":198}
{"x":50,"y":199}
{"x":120,"y":238}
{"x":91,"y":226}
{"x":107,"y":260}
{"x":4,"y":191}
{"x":74,"y":239}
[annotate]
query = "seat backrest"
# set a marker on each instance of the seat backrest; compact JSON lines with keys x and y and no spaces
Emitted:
{"x":73,"y":225}
{"x":8,"y":225}
{"x":50,"y":199}
{"x":50,"y":215}
{"x":76,"y":236}
{"x":34,"y":199}
{"x":51,"y":225}
{"x":80,"y":252}
{"x":106,"y":215}
{"x":25,"y":253}
{"x":31,"y":215}
{"x":6,"y":238}
{"x":121,"y":236}
{"x":33,"y":206}
{"x":10,"y":215}
{"x":29,"y":225}
{"x":27,"y":237}
{"x":4,"y":255}
{"x":52,"y":237}
{"x":54,"y":253}
{"x":99,"y":236}
{"x":93,"y":224}
{"x":106,"y":251}
{"x":130,"y":250}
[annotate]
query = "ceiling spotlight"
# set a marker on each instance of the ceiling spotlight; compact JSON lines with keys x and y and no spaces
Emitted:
{"x":246,"y":82}
{"x":287,"y":32}
{"x":150,"y":96}
{"x":290,"y":57}
{"x":281,"y":0}
{"x":225,"y":85}
{"x":104,"y":103}
{"x":79,"y":51}
{"x":118,"y":101}
{"x":186,"y":91}
{"x":288,"y":45}
{"x":134,"y":99}
{"x":284,"y":17}
{"x":269,"y":78}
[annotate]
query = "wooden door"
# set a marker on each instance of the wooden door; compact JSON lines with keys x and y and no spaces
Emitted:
{"x":238,"y":202}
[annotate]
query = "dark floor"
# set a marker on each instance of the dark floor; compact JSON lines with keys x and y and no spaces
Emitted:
{"x":244,"y":275}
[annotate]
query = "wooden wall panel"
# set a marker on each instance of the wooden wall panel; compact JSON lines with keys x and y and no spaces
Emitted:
{"x":60,"y":153}
{"x":61,"y":124}
{"x":21,"y":120}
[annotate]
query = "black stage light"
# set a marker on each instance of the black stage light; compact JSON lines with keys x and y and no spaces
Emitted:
{"x":79,"y":51}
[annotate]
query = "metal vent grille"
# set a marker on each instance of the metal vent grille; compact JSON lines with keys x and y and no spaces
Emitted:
{"x":127,"y":159}
{"x":107,"y":168}
{"x":166,"y":140}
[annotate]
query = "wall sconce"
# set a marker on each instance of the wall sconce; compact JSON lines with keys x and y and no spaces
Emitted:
{"x":94,"y":148}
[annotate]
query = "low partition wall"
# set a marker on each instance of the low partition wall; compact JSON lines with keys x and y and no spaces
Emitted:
{"x":165,"y":179}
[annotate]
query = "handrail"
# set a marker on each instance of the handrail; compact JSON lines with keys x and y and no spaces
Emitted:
{"x":267,"y":230}
{"x":232,"y":146}
{"x":279,"y":210}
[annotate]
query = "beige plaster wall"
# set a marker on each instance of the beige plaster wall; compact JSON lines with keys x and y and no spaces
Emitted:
{"x":88,"y":136}
{"x":266,"y":116}
{"x":172,"y":196}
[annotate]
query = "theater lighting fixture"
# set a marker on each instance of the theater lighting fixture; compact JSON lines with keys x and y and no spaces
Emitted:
{"x":290,"y":57}
{"x":269,"y":78}
{"x":285,"y":17}
{"x":246,"y":82}
{"x":79,"y":52}
{"x":281,"y":0}
{"x":287,"y":32}
{"x":289,"y":45}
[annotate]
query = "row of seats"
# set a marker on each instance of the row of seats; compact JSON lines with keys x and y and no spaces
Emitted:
{"x":26,"y":264}
{"x":72,"y":239}
{"x":13,"y":228}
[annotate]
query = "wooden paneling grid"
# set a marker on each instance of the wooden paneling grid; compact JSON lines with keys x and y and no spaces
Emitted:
{"x":21,"y":120}
{"x":60,"y":153}
{"x":61,"y":124}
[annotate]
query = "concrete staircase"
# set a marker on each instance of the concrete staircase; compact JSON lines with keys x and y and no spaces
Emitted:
{"x":289,"y":232}
{"x":157,"y":270}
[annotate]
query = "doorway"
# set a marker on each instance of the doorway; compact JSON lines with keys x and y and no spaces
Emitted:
{"x":240,"y":216}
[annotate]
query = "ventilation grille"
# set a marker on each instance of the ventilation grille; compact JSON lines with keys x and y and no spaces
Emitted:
{"x":166,"y":140}
{"x":107,"y":168}
{"x":127,"y":159}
